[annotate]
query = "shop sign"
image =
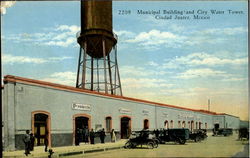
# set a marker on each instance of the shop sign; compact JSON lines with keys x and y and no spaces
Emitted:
{"x":83,"y":107}
{"x":125,"y":111}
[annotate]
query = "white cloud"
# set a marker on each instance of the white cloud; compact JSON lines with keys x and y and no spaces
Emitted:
{"x":140,"y":71}
{"x":185,"y":92}
{"x":10,"y":59}
{"x":152,"y":63}
{"x":124,"y":33}
{"x":6,"y":4}
{"x":232,"y":79}
{"x":225,"y":31}
{"x":213,"y":35}
{"x":198,"y":59}
{"x":201,"y":92}
{"x":65,"y":78}
{"x":145,"y":83}
{"x":63,"y":43}
{"x":201,"y":72}
{"x":62,"y":36}
{"x":154,"y":38}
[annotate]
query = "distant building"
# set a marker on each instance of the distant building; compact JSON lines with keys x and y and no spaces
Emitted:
{"x":56,"y":112}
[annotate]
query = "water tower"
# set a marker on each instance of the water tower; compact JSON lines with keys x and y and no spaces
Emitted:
{"x":97,"y":64}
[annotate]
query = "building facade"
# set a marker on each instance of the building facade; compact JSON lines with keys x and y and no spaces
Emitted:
{"x":56,"y":112}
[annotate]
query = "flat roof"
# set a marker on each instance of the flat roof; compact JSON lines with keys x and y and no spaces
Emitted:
{"x":16,"y":79}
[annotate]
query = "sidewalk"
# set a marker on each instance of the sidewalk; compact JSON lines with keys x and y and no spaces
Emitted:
{"x":66,"y":150}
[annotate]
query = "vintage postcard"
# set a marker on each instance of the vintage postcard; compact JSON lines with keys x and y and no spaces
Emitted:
{"x":125,"y":78}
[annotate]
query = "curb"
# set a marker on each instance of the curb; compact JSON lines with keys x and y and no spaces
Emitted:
{"x":90,"y":151}
{"x":56,"y":155}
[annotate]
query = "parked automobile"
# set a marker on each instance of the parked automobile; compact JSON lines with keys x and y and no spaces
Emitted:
{"x":198,"y":135}
{"x":139,"y":138}
{"x":223,"y":131}
{"x":179,"y":135}
{"x":243,"y":133}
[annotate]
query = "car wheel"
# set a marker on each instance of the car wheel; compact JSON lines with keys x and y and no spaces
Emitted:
{"x":182,"y":141}
{"x":150,"y":145}
{"x":128,"y":145}
{"x":155,"y":144}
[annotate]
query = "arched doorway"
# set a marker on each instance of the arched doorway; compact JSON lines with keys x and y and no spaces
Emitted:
{"x":179,"y":124}
{"x":171,"y":124}
{"x":41,"y":127}
{"x":183,"y":124}
{"x":80,"y":122}
{"x":125,"y":127}
{"x":200,"y":125}
{"x":166,"y":124}
{"x":145,"y":124}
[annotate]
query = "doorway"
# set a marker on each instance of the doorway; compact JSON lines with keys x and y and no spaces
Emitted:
{"x":166,"y":124}
{"x":216,"y":126}
{"x":125,"y":127}
{"x":200,"y":124}
{"x":41,"y":131}
{"x":145,"y":124}
{"x":81,"y":123}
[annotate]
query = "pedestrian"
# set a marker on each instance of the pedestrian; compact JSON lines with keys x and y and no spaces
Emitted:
{"x":46,"y":143}
{"x":77,"y":139}
{"x":113,"y":137}
{"x":32,"y":141}
{"x":157,"y":133}
{"x":81,"y":138}
{"x":26,"y":140}
{"x":92,"y":136}
{"x":86,"y":134}
{"x":102,"y":135}
{"x":50,"y":153}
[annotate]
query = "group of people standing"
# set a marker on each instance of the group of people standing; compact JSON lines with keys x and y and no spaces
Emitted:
{"x":84,"y":135}
{"x":29,"y":142}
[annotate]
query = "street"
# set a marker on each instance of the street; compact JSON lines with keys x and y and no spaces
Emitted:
{"x":211,"y":147}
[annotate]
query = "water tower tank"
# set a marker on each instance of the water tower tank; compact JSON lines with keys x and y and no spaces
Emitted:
{"x":96,"y":26}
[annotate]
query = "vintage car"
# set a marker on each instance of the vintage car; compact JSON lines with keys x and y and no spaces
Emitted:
{"x":198,"y":135}
{"x":179,"y":135}
{"x":139,"y":138}
{"x":243,"y":134}
{"x":223,"y":131}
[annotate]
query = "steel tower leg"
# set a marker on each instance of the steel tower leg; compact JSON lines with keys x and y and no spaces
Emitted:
{"x":104,"y":62}
{"x":84,"y":65}
{"x":78,"y":68}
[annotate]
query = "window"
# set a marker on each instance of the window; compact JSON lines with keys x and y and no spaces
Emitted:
{"x":108,"y":124}
{"x":205,"y":125}
{"x":179,"y":124}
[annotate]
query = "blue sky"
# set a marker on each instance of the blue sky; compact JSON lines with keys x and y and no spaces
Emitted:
{"x":178,"y":62}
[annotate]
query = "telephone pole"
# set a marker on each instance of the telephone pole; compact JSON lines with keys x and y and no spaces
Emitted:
{"x":208,"y":104}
